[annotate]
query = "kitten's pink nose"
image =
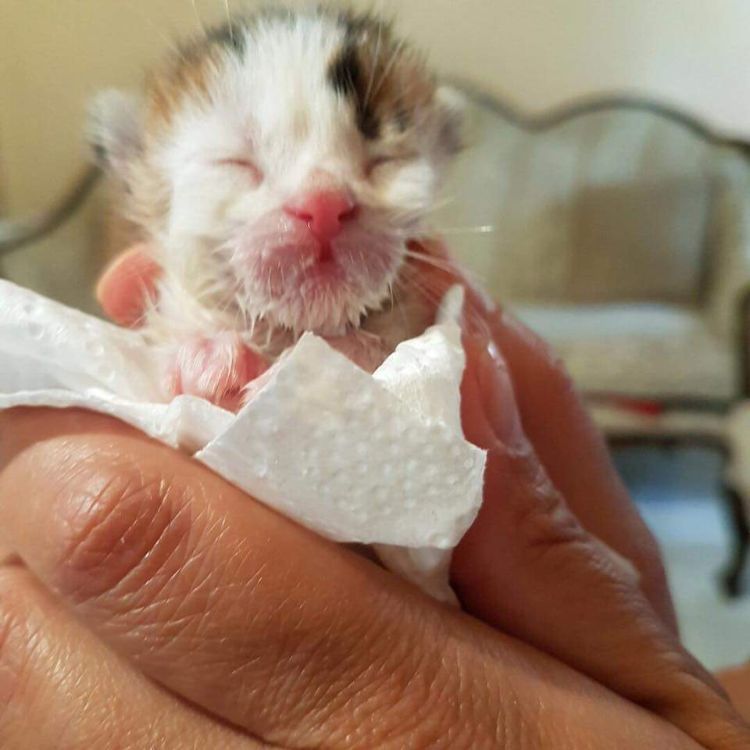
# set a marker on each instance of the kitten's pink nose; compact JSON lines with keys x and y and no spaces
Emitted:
{"x":324,"y":211}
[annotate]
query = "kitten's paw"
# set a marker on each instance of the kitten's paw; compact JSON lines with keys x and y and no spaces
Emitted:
{"x":216,"y":369}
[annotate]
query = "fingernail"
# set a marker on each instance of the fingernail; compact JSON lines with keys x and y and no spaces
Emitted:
{"x":499,"y":399}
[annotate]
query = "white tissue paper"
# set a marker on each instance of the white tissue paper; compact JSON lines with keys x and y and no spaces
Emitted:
{"x":372,"y":459}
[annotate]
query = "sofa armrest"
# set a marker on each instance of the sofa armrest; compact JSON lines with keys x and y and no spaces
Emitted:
{"x":726,"y":302}
{"x":743,"y":342}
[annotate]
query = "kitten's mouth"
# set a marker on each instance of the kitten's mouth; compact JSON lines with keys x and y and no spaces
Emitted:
{"x":302,"y":285}
{"x":325,"y":271}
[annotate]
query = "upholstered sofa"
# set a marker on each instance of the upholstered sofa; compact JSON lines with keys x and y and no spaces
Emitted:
{"x":621,"y":232}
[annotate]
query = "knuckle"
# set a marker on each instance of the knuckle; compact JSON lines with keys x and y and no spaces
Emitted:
{"x":123,"y":524}
{"x":414,"y":698}
{"x":446,"y":712}
{"x":404,"y":684}
{"x":457,"y":701}
{"x":358,"y":678}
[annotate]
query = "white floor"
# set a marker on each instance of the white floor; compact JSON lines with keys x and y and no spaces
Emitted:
{"x":678,"y":494}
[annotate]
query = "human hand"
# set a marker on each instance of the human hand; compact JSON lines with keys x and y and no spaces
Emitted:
{"x":264,"y":626}
{"x":163,"y":608}
{"x":546,"y":451}
{"x":736,"y":681}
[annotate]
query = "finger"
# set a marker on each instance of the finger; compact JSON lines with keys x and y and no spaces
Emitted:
{"x":258,"y":621}
{"x":61,"y":688}
{"x":575,"y":457}
{"x":736,"y":681}
{"x":557,"y":424}
{"x":565,"y":439}
{"x":127,"y":285}
{"x":528,"y":567}
{"x":130,"y":280}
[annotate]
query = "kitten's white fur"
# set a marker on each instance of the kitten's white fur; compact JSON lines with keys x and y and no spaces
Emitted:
{"x":276,"y":106}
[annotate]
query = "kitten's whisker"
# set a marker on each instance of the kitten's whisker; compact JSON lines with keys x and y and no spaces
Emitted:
{"x":439,"y":204}
{"x":441,"y":265}
{"x":198,"y":19}
{"x":228,"y":12}
{"x":397,"y":52}
{"x":444,"y":265}
{"x":395,"y":302}
{"x":170,"y":43}
{"x":375,"y":62}
{"x":431,"y":296}
{"x":480,"y":229}
{"x":413,"y":280}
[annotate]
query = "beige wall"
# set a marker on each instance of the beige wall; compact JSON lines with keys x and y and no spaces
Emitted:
{"x":55,"y":53}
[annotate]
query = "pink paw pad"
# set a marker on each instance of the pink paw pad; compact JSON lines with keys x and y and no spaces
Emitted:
{"x":217,"y":369}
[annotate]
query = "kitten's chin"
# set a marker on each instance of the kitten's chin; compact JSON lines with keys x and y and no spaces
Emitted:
{"x":327,"y":296}
{"x":325,"y":304}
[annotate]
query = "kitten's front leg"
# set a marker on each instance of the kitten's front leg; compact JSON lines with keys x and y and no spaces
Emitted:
{"x":216,"y":368}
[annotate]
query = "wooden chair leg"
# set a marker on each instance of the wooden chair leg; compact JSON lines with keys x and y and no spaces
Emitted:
{"x":733,"y":575}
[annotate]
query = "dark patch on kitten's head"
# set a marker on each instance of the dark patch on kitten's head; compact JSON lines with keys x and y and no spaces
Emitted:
{"x":386,"y":80}
{"x":189,"y":70}
{"x":346,"y":76}
{"x":230,"y":35}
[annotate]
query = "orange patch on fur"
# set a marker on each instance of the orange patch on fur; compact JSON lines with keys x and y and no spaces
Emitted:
{"x":188,"y":74}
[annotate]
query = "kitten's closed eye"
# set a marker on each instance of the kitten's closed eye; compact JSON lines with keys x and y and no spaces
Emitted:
{"x":245,"y":165}
{"x":386,"y":160}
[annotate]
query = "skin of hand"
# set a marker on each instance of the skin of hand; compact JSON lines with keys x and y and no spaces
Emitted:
{"x":736,"y":681}
{"x":158,"y":606}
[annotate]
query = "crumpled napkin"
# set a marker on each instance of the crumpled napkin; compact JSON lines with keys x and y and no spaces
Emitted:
{"x":372,"y":459}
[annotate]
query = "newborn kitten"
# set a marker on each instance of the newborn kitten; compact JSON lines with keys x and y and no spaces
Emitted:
{"x":281,"y":169}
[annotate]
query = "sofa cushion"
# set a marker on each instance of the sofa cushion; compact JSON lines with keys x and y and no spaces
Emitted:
{"x":640,"y":350}
{"x":607,"y":207}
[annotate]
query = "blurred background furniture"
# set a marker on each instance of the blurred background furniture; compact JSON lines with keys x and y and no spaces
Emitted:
{"x":620,"y":231}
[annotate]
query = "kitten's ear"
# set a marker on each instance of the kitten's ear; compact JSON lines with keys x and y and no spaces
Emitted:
{"x":451,"y":104}
{"x":114,"y":131}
